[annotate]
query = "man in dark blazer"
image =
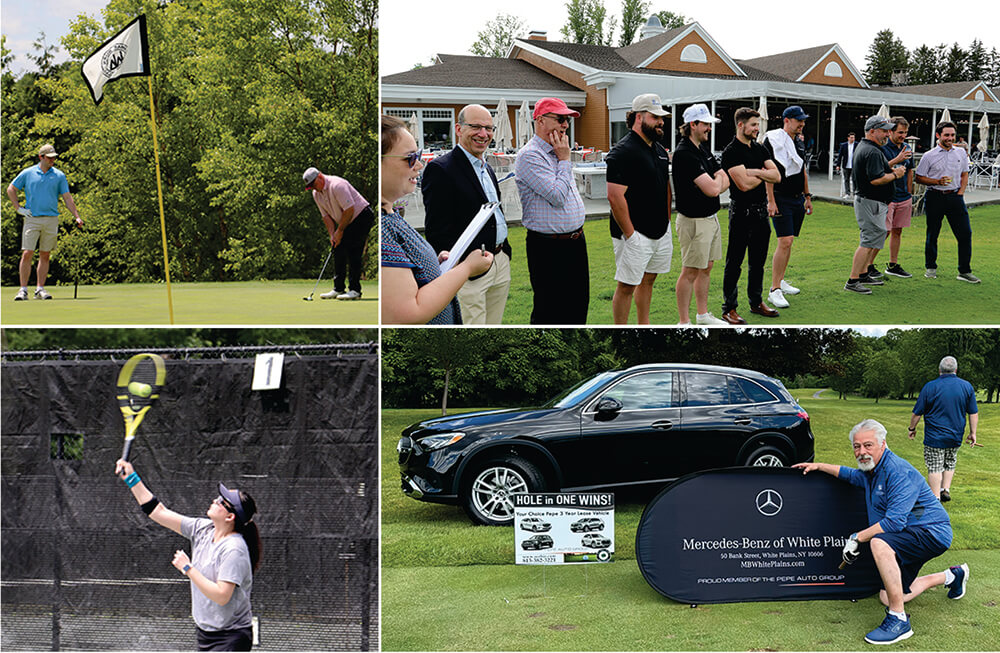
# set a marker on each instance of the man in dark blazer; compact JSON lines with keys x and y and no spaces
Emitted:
{"x":454,"y":187}
{"x":845,"y":162}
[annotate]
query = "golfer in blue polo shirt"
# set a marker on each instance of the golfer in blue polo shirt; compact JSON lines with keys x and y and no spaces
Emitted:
{"x":42,"y":184}
{"x":944,"y":403}
{"x":908,"y":528}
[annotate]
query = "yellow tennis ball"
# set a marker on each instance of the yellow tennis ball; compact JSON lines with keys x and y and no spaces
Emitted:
{"x":140,"y":389}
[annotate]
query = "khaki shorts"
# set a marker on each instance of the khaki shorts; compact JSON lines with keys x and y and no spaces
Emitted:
{"x":700,"y":239}
{"x":40,"y":233}
{"x":638,"y":255}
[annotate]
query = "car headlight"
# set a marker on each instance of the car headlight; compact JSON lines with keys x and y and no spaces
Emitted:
{"x":432,"y":442}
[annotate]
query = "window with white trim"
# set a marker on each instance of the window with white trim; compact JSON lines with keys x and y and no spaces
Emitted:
{"x":833,"y":69}
{"x":693,"y":53}
{"x":980,"y":95}
{"x":436,"y":126}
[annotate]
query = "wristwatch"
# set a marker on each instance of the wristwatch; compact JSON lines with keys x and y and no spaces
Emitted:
{"x":809,"y":195}
{"x":186,"y":569}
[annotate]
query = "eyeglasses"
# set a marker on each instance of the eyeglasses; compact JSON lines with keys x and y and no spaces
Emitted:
{"x":489,"y":128}
{"x":562,"y":120}
{"x":411,"y":158}
{"x":225,"y":504}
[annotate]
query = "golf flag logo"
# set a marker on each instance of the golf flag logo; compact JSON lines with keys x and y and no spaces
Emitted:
{"x":126,"y":54}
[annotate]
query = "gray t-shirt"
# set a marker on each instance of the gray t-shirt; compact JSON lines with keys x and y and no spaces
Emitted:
{"x":226,"y":560}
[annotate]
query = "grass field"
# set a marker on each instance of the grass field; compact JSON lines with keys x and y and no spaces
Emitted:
{"x":449,"y":585}
{"x":819,"y":266}
{"x":238,"y":302}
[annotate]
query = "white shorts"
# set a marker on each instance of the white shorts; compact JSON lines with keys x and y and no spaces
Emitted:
{"x":639,"y":254}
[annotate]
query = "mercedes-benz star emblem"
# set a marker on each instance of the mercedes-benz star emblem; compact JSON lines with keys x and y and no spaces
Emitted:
{"x":769,"y":503}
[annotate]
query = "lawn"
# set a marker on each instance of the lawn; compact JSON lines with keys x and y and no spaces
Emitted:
{"x":238,"y":302}
{"x":819,"y":266}
{"x":449,"y":585}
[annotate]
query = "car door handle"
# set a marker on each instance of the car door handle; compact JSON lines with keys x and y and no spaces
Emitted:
{"x":742,"y":421}
{"x":663,"y":424}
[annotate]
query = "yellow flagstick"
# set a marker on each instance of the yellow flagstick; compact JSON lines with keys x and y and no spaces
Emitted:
{"x":159,"y":193}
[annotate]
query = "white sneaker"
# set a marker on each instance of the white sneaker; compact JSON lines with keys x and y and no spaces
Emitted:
{"x":777,"y":298}
{"x":788,"y":288}
{"x":22,"y":295}
{"x":350,"y":294}
{"x":41,"y":293}
{"x":931,"y":273}
{"x":709,"y":319}
{"x":330,"y":295}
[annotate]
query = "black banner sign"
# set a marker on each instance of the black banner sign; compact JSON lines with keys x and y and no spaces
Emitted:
{"x":754,"y":534}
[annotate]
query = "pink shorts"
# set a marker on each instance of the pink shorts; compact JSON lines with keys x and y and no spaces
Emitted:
{"x":899,"y":215}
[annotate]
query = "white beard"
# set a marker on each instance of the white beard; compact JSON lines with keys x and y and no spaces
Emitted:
{"x":866,"y":465}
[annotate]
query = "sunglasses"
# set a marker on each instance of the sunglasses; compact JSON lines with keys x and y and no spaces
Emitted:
{"x":225,"y":504}
{"x":562,"y":120}
{"x":411,"y":158}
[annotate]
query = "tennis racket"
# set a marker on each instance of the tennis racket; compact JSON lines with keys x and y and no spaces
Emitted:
{"x":139,"y":384}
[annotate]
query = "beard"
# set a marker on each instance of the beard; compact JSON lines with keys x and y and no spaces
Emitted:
{"x":866,"y":463}
{"x":652,"y":132}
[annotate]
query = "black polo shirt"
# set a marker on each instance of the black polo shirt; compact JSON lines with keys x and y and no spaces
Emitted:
{"x":690,"y":162}
{"x":645,"y":169}
{"x":753,"y":157}
{"x":870,"y":163}
{"x":794,"y":185}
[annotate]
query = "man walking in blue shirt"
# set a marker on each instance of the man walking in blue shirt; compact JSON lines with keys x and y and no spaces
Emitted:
{"x":908,"y":527}
{"x":944,"y":403}
{"x":42,"y":184}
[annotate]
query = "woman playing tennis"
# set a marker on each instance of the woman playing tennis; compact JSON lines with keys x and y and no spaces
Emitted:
{"x":225,"y":551}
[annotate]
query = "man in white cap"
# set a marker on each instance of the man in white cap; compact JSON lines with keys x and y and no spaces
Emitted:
{"x":348,"y":219}
{"x":43,"y":185}
{"x":639,"y":195}
{"x":699,"y":180}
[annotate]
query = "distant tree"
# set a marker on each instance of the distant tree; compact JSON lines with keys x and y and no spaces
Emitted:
{"x":886,"y":55}
{"x":45,"y":59}
{"x":882,"y":375}
{"x":924,"y":68}
{"x":497,"y":35}
{"x":670,"y":20}
{"x":993,"y":70}
{"x":954,"y":64}
{"x":634,"y":14}
{"x":585,"y":23}
{"x":977,"y":62}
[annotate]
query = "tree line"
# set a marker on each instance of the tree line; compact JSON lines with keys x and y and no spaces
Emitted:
{"x":522,"y":367}
{"x":248,"y":94}
{"x":887,"y":56}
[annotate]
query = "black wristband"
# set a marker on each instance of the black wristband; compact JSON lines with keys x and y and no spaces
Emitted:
{"x":913,"y":428}
{"x":150,"y":505}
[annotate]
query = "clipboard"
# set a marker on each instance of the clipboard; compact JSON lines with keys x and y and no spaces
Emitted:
{"x":465,"y":240}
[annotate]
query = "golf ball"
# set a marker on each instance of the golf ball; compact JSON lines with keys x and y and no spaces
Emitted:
{"x":140,"y":389}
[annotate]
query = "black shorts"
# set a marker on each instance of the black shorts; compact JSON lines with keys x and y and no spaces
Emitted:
{"x":913,"y":546}
{"x":791,"y":214}
{"x":237,"y":639}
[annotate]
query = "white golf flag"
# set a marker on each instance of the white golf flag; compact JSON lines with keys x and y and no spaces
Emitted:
{"x":126,"y":54}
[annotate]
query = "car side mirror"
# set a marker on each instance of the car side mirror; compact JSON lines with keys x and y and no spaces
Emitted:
{"x":608,"y":408}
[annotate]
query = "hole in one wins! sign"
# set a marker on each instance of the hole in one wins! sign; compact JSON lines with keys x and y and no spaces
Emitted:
{"x":558,"y":529}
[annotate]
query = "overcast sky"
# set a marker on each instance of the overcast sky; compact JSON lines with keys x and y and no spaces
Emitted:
{"x":413,"y":32}
{"x":24,"y":19}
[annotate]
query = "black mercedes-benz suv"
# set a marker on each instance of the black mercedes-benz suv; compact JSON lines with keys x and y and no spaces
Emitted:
{"x":649,"y":424}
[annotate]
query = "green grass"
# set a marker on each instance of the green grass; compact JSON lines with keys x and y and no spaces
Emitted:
{"x":819,"y":265}
{"x":449,"y":585}
{"x":238,"y":302}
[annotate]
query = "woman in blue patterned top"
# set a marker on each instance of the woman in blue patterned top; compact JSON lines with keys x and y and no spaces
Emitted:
{"x":414,"y":291}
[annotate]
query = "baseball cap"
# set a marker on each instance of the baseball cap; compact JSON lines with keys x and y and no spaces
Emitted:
{"x":878,"y":122}
{"x":47,"y":150}
{"x":309,"y":176}
{"x":699,"y":113}
{"x":553,"y":105}
{"x":794,"y":111}
{"x":233,"y":497}
{"x":649,"y":102}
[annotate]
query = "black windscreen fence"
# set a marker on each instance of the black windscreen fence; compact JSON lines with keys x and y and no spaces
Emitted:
{"x":84,"y":568}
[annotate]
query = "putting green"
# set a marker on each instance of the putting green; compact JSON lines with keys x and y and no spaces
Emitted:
{"x":231,"y":303}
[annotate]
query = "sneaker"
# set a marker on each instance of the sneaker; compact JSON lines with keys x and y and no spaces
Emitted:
{"x":709,"y":319}
{"x":873,"y":272}
{"x":331,"y":295}
{"x":968,"y":276}
{"x":855,"y":286}
{"x":931,"y":273}
{"x":350,"y":294}
{"x":788,"y":288}
{"x":896,"y":270}
{"x":41,"y":294}
{"x":892,"y":630}
{"x":871,"y":281}
{"x":22,"y":295}
{"x":945,"y":495}
{"x":777,"y":298}
{"x":956,"y":588}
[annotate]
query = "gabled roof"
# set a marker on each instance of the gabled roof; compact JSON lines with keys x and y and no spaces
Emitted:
{"x":480,"y":72}
{"x":790,"y":65}
{"x":639,"y":51}
{"x":956,"y":90}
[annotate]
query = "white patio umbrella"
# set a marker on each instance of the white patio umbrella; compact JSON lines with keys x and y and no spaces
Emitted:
{"x":502,"y":133}
{"x":525,"y":128}
{"x":945,"y":115}
{"x":883,"y":111}
{"x":984,"y":133}
{"x":762,"y":110}
{"x":413,"y":126}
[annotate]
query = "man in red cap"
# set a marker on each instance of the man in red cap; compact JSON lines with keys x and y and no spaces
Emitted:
{"x":553,"y":213}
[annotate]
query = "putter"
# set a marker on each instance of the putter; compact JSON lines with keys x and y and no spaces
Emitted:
{"x":310,"y":297}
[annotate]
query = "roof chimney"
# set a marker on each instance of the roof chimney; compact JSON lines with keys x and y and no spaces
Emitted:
{"x":538,"y":35}
{"x":652,"y":27}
